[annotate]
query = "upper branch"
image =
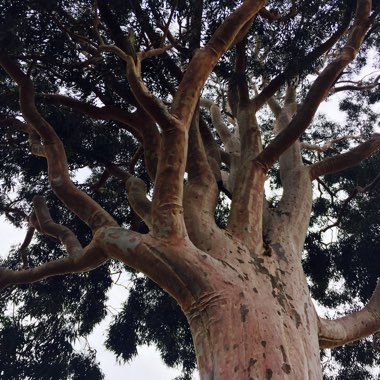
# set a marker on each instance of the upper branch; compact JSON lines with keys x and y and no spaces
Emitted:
{"x":333,"y":333}
{"x":293,"y":70}
{"x":345,"y":160}
{"x":204,"y":60}
{"x":77,"y":201}
{"x":320,"y":88}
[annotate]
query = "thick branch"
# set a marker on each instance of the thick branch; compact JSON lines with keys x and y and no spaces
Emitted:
{"x":358,"y":325}
{"x":345,"y":160}
{"x":77,"y":201}
{"x":320,"y":88}
{"x":204,"y":60}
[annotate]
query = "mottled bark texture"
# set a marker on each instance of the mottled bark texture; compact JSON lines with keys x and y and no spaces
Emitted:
{"x":242,"y":289}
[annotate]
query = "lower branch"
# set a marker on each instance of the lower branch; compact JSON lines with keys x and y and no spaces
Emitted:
{"x":333,"y":333}
{"x":89,"y":258}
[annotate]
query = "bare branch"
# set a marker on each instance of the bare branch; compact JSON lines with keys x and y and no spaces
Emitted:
{"x":345,"y":160}
{"x":358,"y":86}
{"x":320,"y":88}
{"x":333,"y":333}
{"x":328,"y":144}
{"x":77,"y":201}
{"x":48,"y":227}
{"x":358,"y":190}
{"x":89,"y":258}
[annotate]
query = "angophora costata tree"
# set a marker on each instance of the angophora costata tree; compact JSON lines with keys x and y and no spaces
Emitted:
{"x":242,"y":288}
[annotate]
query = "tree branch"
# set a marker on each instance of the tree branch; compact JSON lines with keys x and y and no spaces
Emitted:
{"x":345,"y":160}
{"x":293,"y":70}
{"x":89,"y":258}
{"x":77,"y":201}
{"x":320,"y":88}
{"x":48,"y":227}
{"x":358,"y":190}
{"x":204,"y":60}
{"x":358,"y":86}
{"x":334,"y":333}
{"x":328,"y":144}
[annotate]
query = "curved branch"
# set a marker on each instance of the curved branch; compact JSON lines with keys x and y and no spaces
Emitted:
{"x":293,"y":70}
{"x":136,"y":193}
{"x":358,"y":325}
{"x":320,"y":88}
{"x":327,"y":145}
{"x":100,"y":113}
{"x":48,"y":227}
{"x":80,"y":203}
{"x":89,"y":258}
{"x":345,"y":160}
{"x":358,"y":87}
{"x":204,"y":60}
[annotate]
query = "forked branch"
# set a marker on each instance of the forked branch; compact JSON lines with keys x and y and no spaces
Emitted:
{"x":52,"y":148}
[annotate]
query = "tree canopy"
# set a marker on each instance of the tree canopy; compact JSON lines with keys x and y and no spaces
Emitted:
{"x":101,"y":75}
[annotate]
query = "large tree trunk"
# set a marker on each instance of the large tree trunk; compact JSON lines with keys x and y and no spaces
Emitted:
{"x":256,"y":319}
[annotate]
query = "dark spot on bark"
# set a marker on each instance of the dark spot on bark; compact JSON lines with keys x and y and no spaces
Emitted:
{"x":240,"y":261}
{"x":226,"y":347}
{"x":289,"y":297}
{"x":278,"y":312}
{"x":268,"y":252}
{"x":252,"y":362}
{"x":297,"y":318}
{"x":255,"y":290}
{"x":263,"y":343}
{"x":286,"y":368}
{"x":277,"y":248}
{"x":235,"y":346}
{"x":284,"y":356}
{"x":241,"y":294}
{"x":236,"y":368}
{"x":204,"y":256}
{"x":307,"y":317}
{"x":243,"y":312}
{"x":268,"y":374}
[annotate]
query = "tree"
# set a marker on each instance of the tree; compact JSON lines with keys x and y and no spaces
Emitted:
{"x":241,"y":286}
